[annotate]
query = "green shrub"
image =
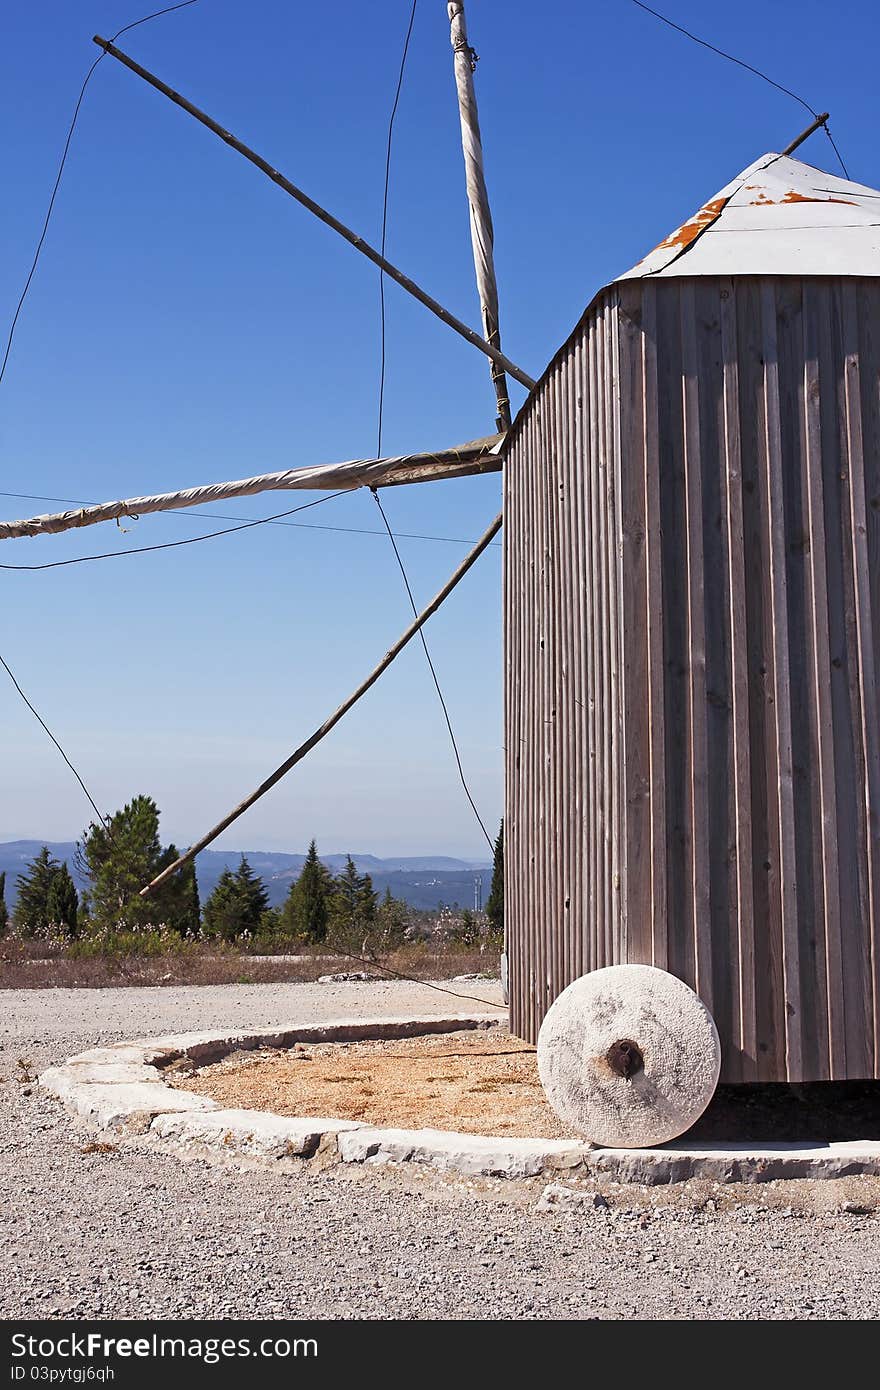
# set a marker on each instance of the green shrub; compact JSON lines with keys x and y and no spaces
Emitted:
{"x":129,"y":941}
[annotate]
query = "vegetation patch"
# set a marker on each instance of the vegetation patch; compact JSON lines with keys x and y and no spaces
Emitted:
{"x":110,"y":932}
{"x":474,"y":1082}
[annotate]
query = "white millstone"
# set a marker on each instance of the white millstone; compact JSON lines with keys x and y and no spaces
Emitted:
{"x":671,"y":1036}
{"x":251,"y":1133}
{"x":472,"y":1154}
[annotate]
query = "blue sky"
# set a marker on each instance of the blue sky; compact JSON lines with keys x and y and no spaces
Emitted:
{"x":188,"y":322}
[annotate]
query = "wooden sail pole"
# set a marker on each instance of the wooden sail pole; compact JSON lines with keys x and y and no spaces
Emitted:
{"x":478,"y":456}
{"x":299,"y":753}
{"x":323,"y":215}
{"x":799,"y":140}
{"x":482,"y":231}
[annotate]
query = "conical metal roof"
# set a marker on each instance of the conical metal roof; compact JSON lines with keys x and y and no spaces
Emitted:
{"x":778,"y":217}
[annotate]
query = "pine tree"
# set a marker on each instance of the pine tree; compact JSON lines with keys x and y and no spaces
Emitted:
{"x":118,"y":858}
{"x":220,"y":917}
{"x":31,"y":914}
{"x":4,"y":911}
{"x":253,"y":893}
{"x":237,"y":903}
{"x":306,"y":910}
{"x":368,"y":901}
{"x":391,"y":923}
{"x":179,"y":897}
{"x":62,"y":903}
{"x":345,"y":903}
{"x":353,"y":905}
{"x":495,"y":901}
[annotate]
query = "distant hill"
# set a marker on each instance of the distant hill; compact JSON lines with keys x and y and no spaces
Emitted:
{"x":423,"y":881}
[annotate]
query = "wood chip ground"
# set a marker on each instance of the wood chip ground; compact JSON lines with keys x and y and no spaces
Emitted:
{"x":474,"y":1082}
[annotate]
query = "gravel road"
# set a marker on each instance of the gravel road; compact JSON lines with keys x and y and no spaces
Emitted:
{"x":125,"y":1233}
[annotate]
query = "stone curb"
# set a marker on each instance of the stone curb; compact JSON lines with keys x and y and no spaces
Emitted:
{"x":121,"y":1091}
{"x":745,"y":1163}
{"x":471,"y":1154}
{"x":249,"y":1133}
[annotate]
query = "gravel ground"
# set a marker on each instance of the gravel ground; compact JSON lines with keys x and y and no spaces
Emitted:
{"x":124,"y":1233}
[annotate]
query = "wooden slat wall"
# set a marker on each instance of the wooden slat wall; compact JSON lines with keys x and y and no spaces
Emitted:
{"x":563,"y":820}
{"x":692,"y":505}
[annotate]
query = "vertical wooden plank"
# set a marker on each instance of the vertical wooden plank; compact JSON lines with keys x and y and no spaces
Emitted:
{"x":580,"y":738}
{"x":514,"y":561}
{"x":863,"y":655}
{"x":516,"y":567}
{"x":847,"y":703}
{"x":806,"y":777}
{"x":650,"y":435}
{"x":590,"y":493}
{"x":635,"y":724}
{"x":508,"y":667}
{"x":746,"y":1036}
{"x":787,"y":886}
{"x":538,"y":788}
{"x":615,"y":740}
{"x":531,"y":765}
{"x":601,"y":640}
{"x":696,"y":756}
{"x":557,"y":924}
{"x":718,"y":707}
{"x":816,"y":313}
{"x":673,"y":551}
{"x":769,"y":1001}
{"x":868,"y":305}
{"x":610,"y":563}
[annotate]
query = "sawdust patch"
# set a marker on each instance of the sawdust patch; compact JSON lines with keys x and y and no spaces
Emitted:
{"x":474,"y":1082}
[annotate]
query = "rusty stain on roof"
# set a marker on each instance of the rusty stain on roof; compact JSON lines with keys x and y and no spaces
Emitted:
{"x":690,"y":230}
{"x":793,"y":197}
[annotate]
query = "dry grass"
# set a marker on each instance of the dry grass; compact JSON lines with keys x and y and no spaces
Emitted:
{"x":477,"y":1082}
{"x":28,"y":965}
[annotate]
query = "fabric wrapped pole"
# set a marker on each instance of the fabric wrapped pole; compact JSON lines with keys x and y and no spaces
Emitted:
{"x":478,"y":456}
{"x":482,"y":230}
{"x":629,"y":1056}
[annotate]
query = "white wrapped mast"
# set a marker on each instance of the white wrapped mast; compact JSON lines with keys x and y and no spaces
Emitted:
{"x":478,"y":456}
{"x":482,"y":232}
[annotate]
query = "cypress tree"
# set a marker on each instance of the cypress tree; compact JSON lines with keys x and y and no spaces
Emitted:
{"x":4,"y":911}
{"x":255,"y":899}
{"x":237,"y":903}
{"x":367,"y":901}
{"x":177,"y":901}
{"x":495,"y":901}
{"x":62,"y":903}
{"x":305,"y":913}
{"x":31,"y":912}
{"x":353,"y":905}
{"x":220,"y":917}
{"x":345,"y":902}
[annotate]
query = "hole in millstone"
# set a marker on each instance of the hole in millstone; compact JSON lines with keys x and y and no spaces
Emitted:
{"x":625,"y":1059}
